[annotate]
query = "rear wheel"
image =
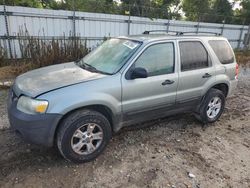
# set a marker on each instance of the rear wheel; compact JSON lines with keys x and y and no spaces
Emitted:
{"x":83,"y":135}
{"x":212,"y":106}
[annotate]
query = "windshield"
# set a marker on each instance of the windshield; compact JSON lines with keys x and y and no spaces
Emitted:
{"x":110,"y":56}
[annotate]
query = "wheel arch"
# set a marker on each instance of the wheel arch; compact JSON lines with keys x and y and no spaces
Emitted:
{"x":104,"y":110}
{"x":222,"y":87}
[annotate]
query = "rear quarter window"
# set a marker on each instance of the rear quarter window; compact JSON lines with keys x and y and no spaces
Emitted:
{"x":222,"y":50}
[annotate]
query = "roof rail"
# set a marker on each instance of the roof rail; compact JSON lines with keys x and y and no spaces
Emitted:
{"x":178,"y":33}
{"x":200,"y":32}
{"x":165,"y":31}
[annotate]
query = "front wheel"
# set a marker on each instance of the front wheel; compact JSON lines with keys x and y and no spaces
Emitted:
{"x":83,"y":135}
{"x":212,"y":106}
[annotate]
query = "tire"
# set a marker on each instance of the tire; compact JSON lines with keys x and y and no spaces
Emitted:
{"x":83,"y":136}
{"x":210,"y":110}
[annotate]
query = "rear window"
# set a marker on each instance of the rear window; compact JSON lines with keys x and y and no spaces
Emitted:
{"x":222,"y":50}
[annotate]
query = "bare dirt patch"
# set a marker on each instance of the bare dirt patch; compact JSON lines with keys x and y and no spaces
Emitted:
{"x":161,"y":154}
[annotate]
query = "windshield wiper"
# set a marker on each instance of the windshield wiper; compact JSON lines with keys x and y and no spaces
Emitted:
{"x":91,"y":68}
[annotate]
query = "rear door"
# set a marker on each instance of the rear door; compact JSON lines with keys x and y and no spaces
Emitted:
{"x":196,"y":71}
{"x":146,"y":97}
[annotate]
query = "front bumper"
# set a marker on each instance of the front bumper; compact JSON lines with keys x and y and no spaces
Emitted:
{"x":37,"y":129}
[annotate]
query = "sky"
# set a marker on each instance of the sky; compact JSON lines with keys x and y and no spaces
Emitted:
{"x":236,"y":5}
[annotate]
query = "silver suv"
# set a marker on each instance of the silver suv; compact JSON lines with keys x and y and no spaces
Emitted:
{"x":79,"y":105}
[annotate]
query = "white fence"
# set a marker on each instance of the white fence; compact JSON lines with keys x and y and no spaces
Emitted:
{"x":92,"y":27}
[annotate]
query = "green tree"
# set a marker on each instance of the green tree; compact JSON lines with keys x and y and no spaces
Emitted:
{"x":244,"y":12}
{"x":25,"y":3}
{"x":136,"y":7}
{"x":170,"y":8}
{"x":104,"y":6}
{"x":153,"y":8}
{"x":49,"y":4}
{"x":216,"y":11}
{"x":196,"y":10}
{"x":222,"y":11}
{"x":99,"y":6}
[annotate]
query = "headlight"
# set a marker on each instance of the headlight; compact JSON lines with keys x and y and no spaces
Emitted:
{"x":32,"y":106}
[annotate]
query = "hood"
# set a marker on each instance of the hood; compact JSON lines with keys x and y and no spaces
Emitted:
{"x":36,"y":82}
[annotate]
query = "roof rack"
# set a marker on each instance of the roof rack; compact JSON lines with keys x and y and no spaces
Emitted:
{"x":165,"y":31}
{"x":178,"y":33}
{"x":202,"y":32}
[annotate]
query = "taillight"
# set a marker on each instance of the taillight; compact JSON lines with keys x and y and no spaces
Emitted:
{"x":236,"y":71}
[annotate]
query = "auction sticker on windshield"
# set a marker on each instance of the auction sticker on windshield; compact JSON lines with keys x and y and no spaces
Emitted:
{"x":130,"y":44}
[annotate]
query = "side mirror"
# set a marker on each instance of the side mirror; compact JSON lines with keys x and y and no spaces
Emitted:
{"x":139,"y":73}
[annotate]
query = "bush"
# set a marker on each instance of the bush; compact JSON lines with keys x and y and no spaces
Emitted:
{"x":242,"y":57}
{"x":38,"y":52}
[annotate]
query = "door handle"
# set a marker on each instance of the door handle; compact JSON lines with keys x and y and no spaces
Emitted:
{"x":206,"y":75}
{"x":167,"y":82}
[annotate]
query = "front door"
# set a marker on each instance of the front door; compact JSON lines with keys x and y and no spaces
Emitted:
{"x":146,"y":97}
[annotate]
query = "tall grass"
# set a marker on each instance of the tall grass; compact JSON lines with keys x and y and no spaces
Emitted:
{"x":3,"y":54}
{"x":45,"y":52}
{"x":243,"y":57}
{"x":40,"y":51}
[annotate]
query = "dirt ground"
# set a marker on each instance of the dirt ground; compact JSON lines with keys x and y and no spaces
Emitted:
{"x":155,"y":154}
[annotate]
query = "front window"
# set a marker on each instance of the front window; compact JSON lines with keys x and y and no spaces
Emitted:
{"x":110,"y":56}
{"x":157,"y":59}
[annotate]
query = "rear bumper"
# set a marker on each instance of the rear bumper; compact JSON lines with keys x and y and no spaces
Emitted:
{"x":37,"y":129}
{"x":233,"y":87}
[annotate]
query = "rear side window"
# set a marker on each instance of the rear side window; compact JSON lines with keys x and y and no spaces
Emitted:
{"x":223,"y":51}
{"x":193,"y":55}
